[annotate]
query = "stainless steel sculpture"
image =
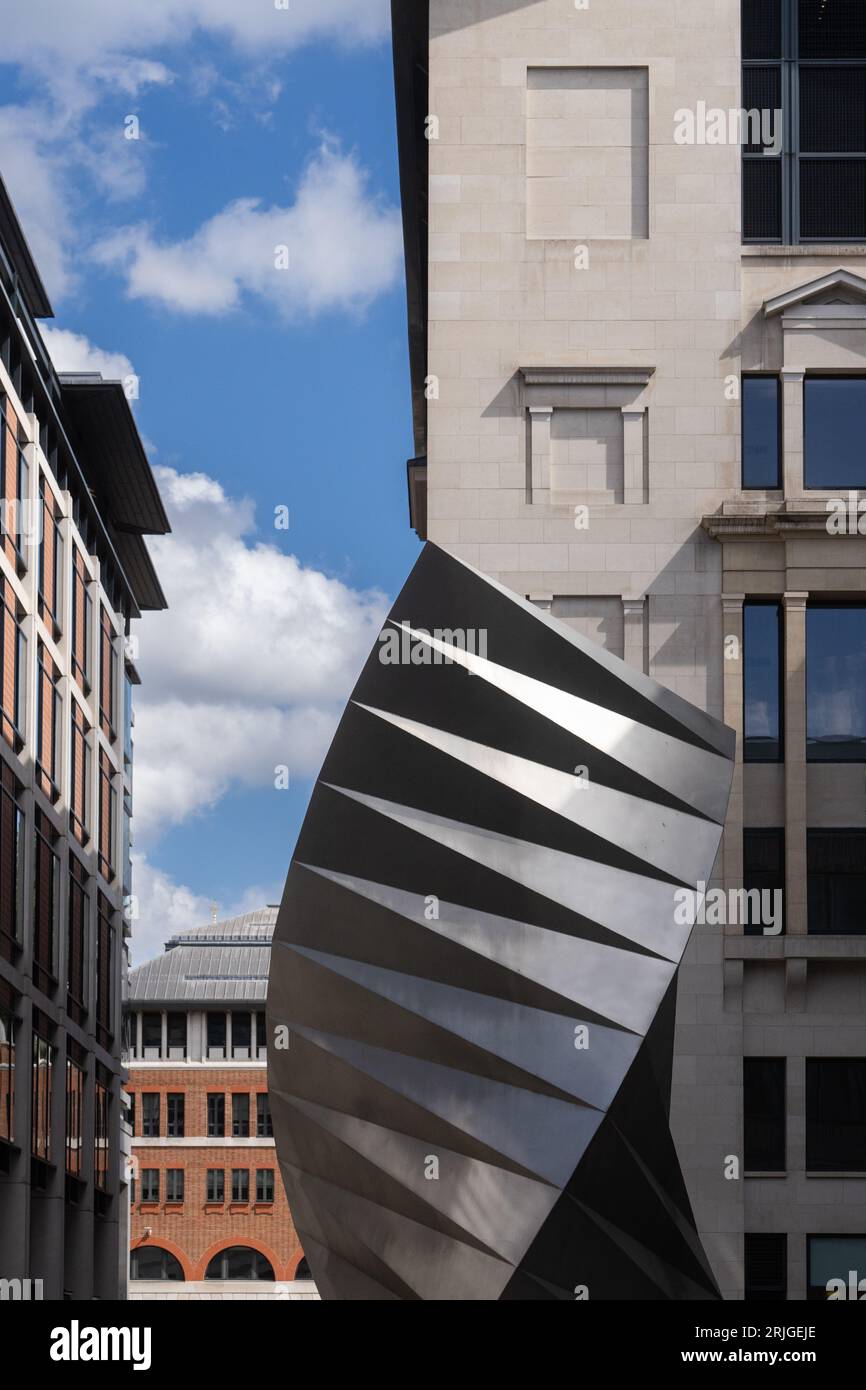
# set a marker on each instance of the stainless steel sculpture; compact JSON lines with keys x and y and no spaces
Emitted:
{"x":472,"y":989}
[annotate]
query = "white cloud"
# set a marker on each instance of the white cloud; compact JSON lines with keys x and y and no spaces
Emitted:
{"x":344,"y":248}
{"x":166,"y":907}
{"x":72,"y":352}
{"x":88,"y":31}
{"x":250,"y":667}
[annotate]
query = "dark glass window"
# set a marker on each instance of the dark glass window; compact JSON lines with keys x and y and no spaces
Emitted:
{"x":241,"y":1116}
{"x":766,"y":1260}
{"x":836,"y":1116}
{"x":836,"y":683}
{"x":151,"y":1033}
{"x":264,"y":1124}
{"x":176,"y":1034}
{"x":150,"y":1114}
{"x":763,"y":872}
{"x":174,"y":1184}
{"x":764,"y":1114}
{"x":175,"y":1125}
{"x":762,"y":29}
{"x":239,"y":1263}
{"x":241,"y":1033}
{"x":832,"y":29}
{"x":762,"y":434}
{"x":264,"y":1184}
{"x":216,"y":1185}
{"x":41,"y":1092}
{"x":804,"y":59}
{"x":835,"y":424}
{"x":7,"y":1065}
{"x":835,"y":1257}
{"x":216,"y":1115}
{"x":261,"y":1032}
{"x":762,"y":682}
{"x":150,"y":1184}
{"x":837,"y":882}
{"x":240,"y":1184}
{"x":149,"y":1262}
{"x":216,"y":1031}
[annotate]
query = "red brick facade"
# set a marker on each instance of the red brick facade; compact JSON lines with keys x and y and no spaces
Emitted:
{"x":196,"y":1229}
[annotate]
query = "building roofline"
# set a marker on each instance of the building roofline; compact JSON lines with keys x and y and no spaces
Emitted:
{"x":29,"y":279}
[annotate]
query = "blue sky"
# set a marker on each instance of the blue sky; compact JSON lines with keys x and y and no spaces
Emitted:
{"x":260,"y":386}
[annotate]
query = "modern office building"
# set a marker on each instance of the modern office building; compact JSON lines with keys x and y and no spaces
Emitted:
{"x":638,"y":348}
{"x":78,"y":498}
{"x":209,"y":1212}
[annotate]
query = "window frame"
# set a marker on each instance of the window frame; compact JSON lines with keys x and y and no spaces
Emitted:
{"x":790,"y":65}
{"x":780,"y":433}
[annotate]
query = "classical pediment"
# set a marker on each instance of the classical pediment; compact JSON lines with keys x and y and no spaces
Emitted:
{"x":831,"y":295}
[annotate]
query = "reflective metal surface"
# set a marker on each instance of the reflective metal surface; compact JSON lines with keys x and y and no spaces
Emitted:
{"x":472,"y":990}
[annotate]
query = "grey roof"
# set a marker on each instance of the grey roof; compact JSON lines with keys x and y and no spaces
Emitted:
{"x":226,"y":961}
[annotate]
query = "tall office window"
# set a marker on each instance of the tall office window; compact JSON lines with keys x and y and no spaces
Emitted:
{"x":11,"y":862}
{"x":805,"y":178}
{"x":834,"y":412}
{"x":102,"y":1162}
{"x":762,"y":431}
{"x":836,"y":1115}
{"x":215,"y":1185}
{"x":150,"y":1114}
{"x":104,"y":970}
{"x":833,"y":1257}
{"x":74,"y":1115}
{"x":216,"y":1034}
{"x":177,"y":1035}
{"x":241,"y":1033}
{"x":76,"y":935}
{"x":175,"y":1115}
{"x":7,"y":1063}
{"x":264,"y":1184}
{"x":50,"y":560}
{"x":150,"y":1184}
{"x":13,"y":664}
{"x":764,"y":1114}
{"x":46,"y":902}
{"x":174,"y":1184}
{"x":763,"y":872}
{"x":766,"y":1261}
{"x":216,"y":1115}
{"x":79,"y":788}
{"x":81,"y":618}
{"x":836,"y":864}
{"x":40,"y":1101}
{"x":47,"y":723}
{"x":240,"y":1184}
{"x":836,"y":683}
{"x":264,"y":1123}
{"x":762,"y":682}
{"x":241,"y":1116}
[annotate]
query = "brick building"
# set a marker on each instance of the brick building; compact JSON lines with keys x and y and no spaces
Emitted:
{"x":78,"y":497}
{"x":208,"y":1205}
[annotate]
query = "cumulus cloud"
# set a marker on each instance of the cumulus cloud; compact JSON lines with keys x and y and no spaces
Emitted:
{"x":73,"y":352}
{"x":249,"y":668}
{"x":166,"y":907}
{"x":88,"y":31}
{"x":336,"y":247}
